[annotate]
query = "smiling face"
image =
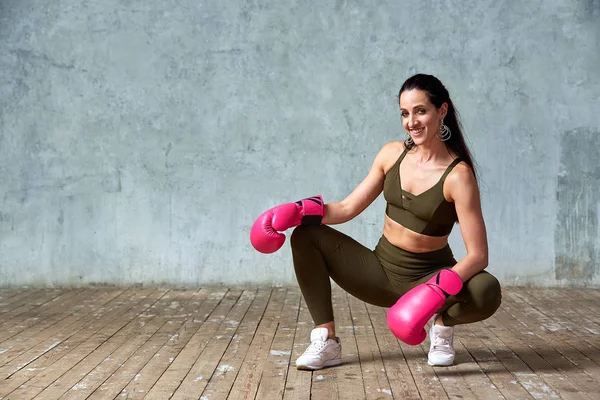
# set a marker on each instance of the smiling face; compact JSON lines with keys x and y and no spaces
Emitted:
{"x":420,"y":117}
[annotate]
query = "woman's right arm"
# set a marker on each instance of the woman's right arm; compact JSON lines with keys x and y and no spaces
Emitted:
{"x":365,"y":193}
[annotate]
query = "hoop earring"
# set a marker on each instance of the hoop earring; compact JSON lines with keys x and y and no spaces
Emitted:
{"x":444,"y":132}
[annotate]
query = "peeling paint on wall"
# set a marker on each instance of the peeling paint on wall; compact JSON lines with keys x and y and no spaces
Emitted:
{"x":577,"y":235}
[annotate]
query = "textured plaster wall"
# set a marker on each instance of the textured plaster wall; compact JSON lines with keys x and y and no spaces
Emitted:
{"x":140,"y":139}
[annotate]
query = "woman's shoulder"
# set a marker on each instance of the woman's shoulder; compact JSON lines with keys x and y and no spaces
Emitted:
{"x":389,"y":154}
{"x":393,"y":148}
{"x":462,"y":170}
{"x":461,"y":177}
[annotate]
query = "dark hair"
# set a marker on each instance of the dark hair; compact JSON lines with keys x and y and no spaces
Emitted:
{"x":438,"y":95}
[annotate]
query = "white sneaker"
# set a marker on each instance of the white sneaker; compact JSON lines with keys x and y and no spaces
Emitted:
{"x":321,"y":353}
{"x":441,"y":349}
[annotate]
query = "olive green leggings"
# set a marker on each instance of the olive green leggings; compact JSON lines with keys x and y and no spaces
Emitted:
{"x":380,"y":276}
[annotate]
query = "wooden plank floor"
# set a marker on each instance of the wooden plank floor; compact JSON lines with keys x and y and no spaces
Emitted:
{"x":241,"y":343}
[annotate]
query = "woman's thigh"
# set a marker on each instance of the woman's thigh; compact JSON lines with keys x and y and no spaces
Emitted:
{"x":353,"y":266}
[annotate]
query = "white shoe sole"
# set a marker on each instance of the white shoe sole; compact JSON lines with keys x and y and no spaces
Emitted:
{"x":330,"y":363}
{"x":447,"y":364}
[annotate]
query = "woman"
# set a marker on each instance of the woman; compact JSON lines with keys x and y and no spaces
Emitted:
{"x":429,"y":184}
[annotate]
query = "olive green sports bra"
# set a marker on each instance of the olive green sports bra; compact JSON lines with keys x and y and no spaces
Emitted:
{"x":428,"y":213}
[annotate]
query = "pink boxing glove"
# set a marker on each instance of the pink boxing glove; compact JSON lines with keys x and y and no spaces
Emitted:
{"x":265,"y":236}
{"x":407,"y":318}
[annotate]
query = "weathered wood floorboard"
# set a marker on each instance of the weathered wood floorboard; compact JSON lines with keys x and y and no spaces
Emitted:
{"x":242,"y":343}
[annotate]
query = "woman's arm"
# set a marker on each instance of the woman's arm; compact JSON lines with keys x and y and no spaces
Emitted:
{"x":365,"y":193}
{"x":464,"y":192}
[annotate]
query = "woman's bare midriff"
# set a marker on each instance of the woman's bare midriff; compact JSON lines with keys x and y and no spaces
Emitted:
{"x":411,"y":241}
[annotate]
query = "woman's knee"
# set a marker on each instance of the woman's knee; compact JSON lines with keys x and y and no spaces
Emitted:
{"x":485,"y":292}
{"x":303,"y":234}
{"x":310,"y":234}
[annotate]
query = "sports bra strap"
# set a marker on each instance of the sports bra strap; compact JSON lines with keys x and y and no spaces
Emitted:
{"x":402,"y":155}
{"x":450,"y":167}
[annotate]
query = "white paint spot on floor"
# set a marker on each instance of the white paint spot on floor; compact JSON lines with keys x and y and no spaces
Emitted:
{"x":224,"y":369}
{"x":80,"y":386}
{"x":198,"y":378}
{"x":539,"y":390}
{"x":320,"y":377}
{"x":280,"y":353}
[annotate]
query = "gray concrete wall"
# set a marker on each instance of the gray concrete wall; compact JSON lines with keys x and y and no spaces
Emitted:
{"x":140,"y":139}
